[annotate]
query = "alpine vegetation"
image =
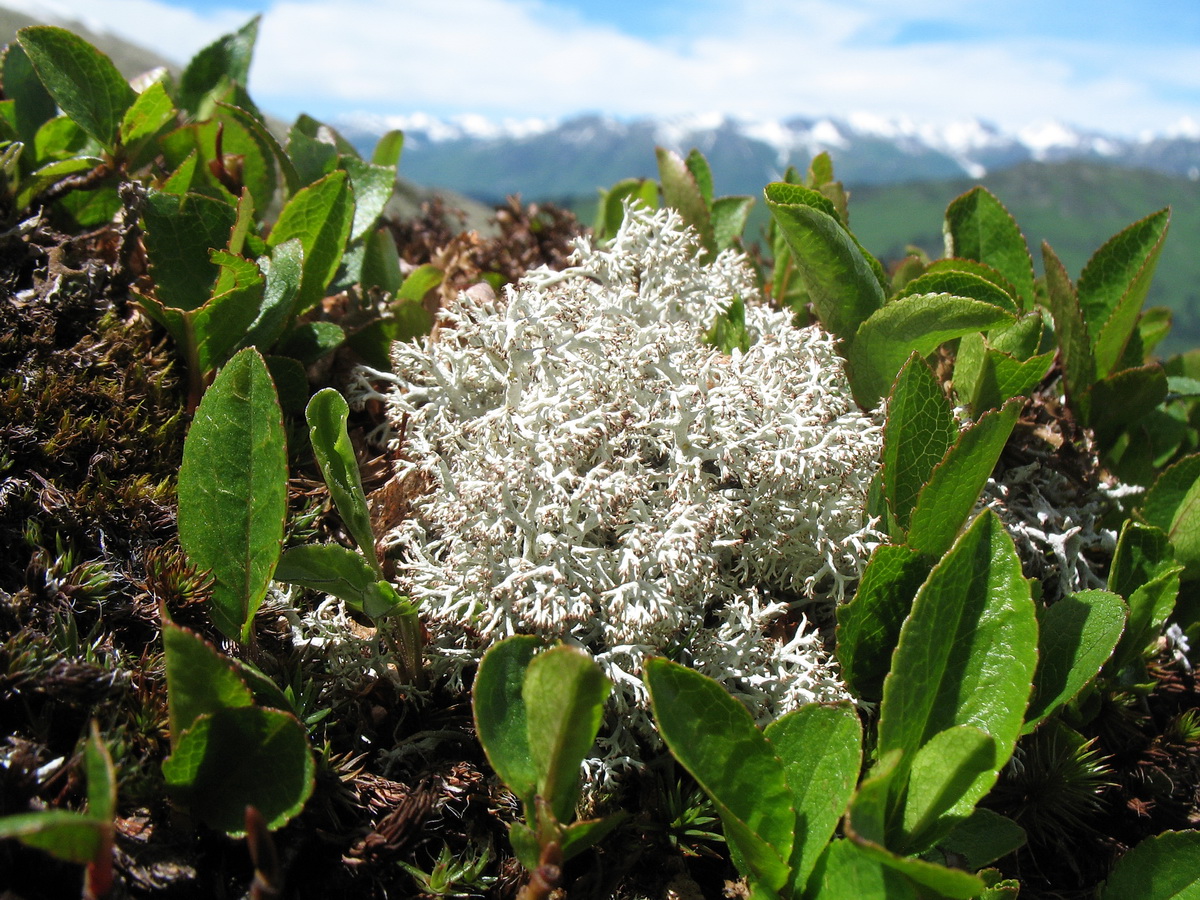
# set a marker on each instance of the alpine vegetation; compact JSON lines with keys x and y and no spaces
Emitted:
{"x":589,"y":468}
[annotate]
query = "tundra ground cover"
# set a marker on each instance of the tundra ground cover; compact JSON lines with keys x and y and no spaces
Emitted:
{"x":895,"y":567}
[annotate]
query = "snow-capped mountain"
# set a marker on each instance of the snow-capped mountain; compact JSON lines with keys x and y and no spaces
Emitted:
{"x":542,"y":158}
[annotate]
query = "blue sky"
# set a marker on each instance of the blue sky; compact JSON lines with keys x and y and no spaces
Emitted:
{"x":1117,"y":66}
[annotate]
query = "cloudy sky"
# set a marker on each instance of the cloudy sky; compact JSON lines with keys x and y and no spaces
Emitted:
{"x":1117,"y":66}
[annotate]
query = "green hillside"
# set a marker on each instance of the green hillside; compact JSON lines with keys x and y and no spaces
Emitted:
{"x":1075,"y":206}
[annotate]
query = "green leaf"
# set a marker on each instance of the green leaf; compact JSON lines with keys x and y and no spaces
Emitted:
{"x":1145,"y":573}
{"x":869,"y":625}
{"x":1002,"y":377}
{"x":337,"y":570}
{"x":960,"y":284}
{"x":684,"y":192}
{"x":1164,"y":866}
{"x":388,"y":149}
{"x":920,"y":323}
{"x":241,"y":757}
{"x":729,"y":217}
{"x":49,"y":174}
{"x":222,"y":323}
{"x":282,"y":272}
{"x":582,"y":835}
{"x":943,"y":882}
{"x":728,"y":331}
{"x":920,"y":428}
{"x":381,"y":262}
{"x":1076,"y":636}
{"x":319,"y":215}
{"x":32,"y":104}
{"x":843,"y":283}
{"x":309,"y":341}
{"x":373,"y":186}
{"x":199,"y":680}
{"x":1123,"y":398}
{"x":243,"y":142}
{"x":974,"y":267}
{"x":967,"y":651}
{"x":266,"y":142}
{"x":949,"y":775}
{"x":1173,"y":505}
{"x":564,"y":695}
{"x":233,"y":490}
{"x":101,"y":778}
{"x":979,"y":227}
{"x":150,"y":113}
{"x":419,"y":282}
{"x":501,"y":718}
{"x":949,"y":496}
{"x":713,"y":736}
{"x":327,"y":415}
{"x":83,"y":81}
{"x":65,"y":835}
{"x":223,"y":62}
{"x":1113,"y":285}
{"x":845,"y":872}
{"x":821,"y":750}
{"x":180,"y":234}
{"x":611,"y":208}
{"x":983,"y":837}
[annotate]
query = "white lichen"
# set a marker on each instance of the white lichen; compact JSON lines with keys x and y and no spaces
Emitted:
{"x":591,"y":470}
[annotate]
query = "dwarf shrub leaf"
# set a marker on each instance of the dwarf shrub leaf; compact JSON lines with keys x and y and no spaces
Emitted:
{"x":967,"y":651}
{"x":920,"y":429}
{"x":319,"y":215}
{"x":223,"y":62}
{"x":843,"y":280}
{"x":1164,"y":866}
{"x":32,"y":103}
{"x":245,"y":756}
{"x":715,"y":739}
{"x":82,"y":80}
{"x":233,"y":490}
{"x":948,"y":776}
{"x":327,"y":414}
{"x":960,"y":284}
{"x":950,"y":494}
{"x":148,"y":114}
{"x":919,"y":323}
{"x":221,"y":324}
{"x":564,"y":695}
{"x":372,"y":190}
{"x":683,"y":191}
{"x":1173,"y":505}
{"x":983,"y":837}
{"x":501,"y":718}
{"x":339,"y":571}
{"x":978,"y":227}
{"x":845,"y":872}
{"x":1113,"y":285}
{"x":66,"y":835}
{"x":729,"y":216}
{"x":1076,"y":636}
{"x":180,"y":235}
{"x":821,"y":750}
{"x":869,"y":625}
{"x":199,"y":679}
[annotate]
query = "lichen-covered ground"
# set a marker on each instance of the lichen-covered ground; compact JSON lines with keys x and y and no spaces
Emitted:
{"x":92,"y":420}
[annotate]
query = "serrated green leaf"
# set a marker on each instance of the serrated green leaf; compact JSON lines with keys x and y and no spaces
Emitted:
{"x":312,"y":157}
{"x":319,"y":215}
{"x":967,"y":651}
{"x":65,"y":835}
{"x":199,"y":679}
{"x":1114,"y":283}
{"x":61,"y":138}
{"x":1076,"y":635}
{"x":844,"y":286}
{"x":266,"y":140}
{"x":337,"y":570}
{"x":223,"y":62}
{"x":309,"y":341}
{"x":960,"y":284}
{"x":180,"y":235}
{"x":702,"y":174}
{"x":1164,"y":866}
{"x":1153,"y":326}
{"x":564,"y":693}
{"x":1166,"y":498}
{"x":233,"y":490}
{"x":729,"y":217}
{"x":821,"y":750}
{"x":920,"y":875}
{"x":715,"y":739}
{"x":869,"y":625}
{"x":979,"y":227}
{"x":327,"y":415}
{"x":949,"y":775}
{"x":83,"y":81}
{"x":32,"y":104}
{"x":1144,"y":571}
{"x":683,"y":192}
{"x":949,"y":496}
{"x":501,"y":718}
{"x":281,"y":272}
{"x":845,"y":872}
{"x":241,"y":757}
{"x":220,"y":325}
{"x":920,"y":428}
{"x":919,"y":323}
{"x":1119,"y":400}
{"x":973,"y":267}
{"x":147,"y":116}
{"x":983,"y":837}
{"x":373,"y":186}
{"x":243,"y":142}
{"x":1003,"y":377}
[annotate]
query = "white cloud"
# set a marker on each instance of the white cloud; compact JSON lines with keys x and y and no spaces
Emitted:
{"x":767,"y":58}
